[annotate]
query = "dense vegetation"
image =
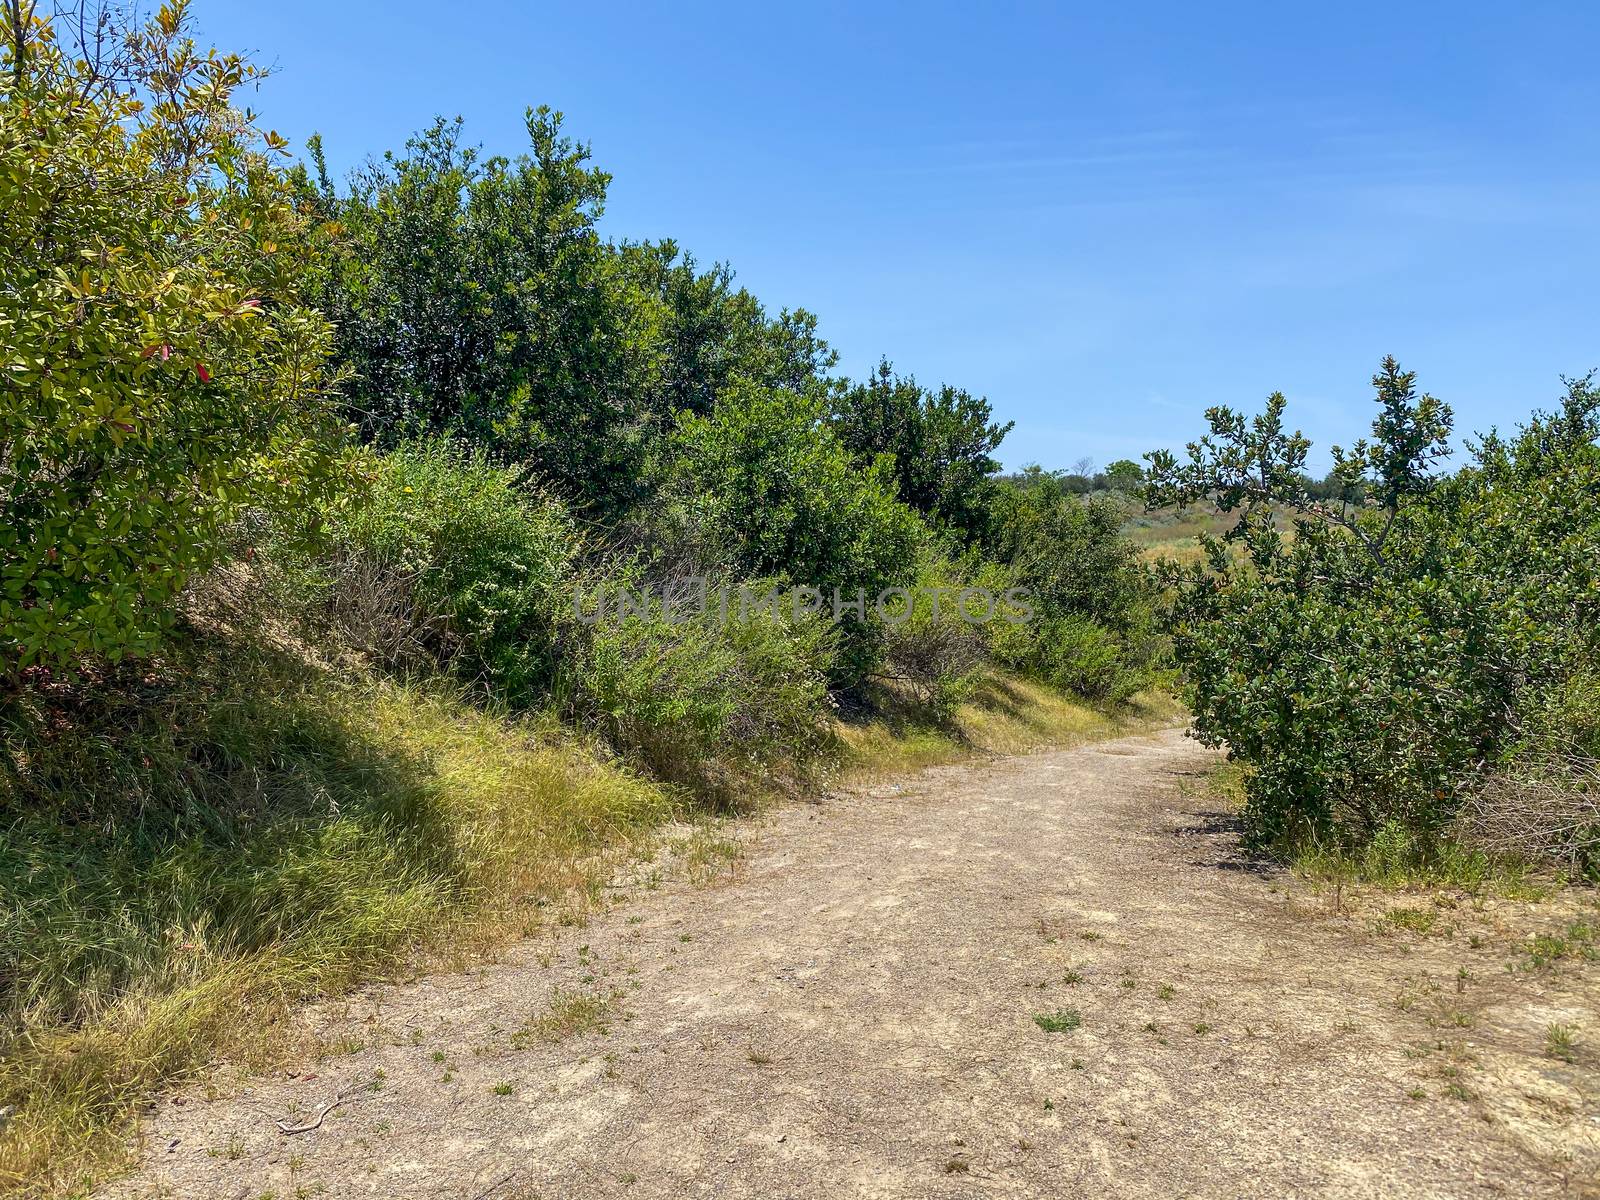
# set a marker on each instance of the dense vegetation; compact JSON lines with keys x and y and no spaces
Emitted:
{"x":303,"y":485}
{"x":1416,"y":657}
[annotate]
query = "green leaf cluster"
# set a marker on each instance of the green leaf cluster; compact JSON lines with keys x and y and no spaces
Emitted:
{"x":159,"y":372}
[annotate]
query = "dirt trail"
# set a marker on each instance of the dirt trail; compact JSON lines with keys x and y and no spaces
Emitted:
{"x":853,"y":1015}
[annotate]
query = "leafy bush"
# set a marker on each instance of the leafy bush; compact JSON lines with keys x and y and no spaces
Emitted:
{"x":476,"y":561}
{"x":940,"y":445}
{"x":160,"y":375}
{"x":1074,"y":655}
{"x":771,"y":492}
{"x":933,"y":649}
{"x":1091,"y":630}
{"x":1370,"y":666}
{"x":720,"y":707}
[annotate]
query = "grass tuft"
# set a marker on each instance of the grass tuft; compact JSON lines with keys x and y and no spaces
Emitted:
{"x":1063,"y":1020}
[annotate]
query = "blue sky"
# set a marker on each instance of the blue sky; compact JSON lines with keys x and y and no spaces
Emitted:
{"x":1104,"y":217}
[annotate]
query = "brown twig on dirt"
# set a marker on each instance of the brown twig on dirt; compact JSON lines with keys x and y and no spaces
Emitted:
{"x":316,"y":1122}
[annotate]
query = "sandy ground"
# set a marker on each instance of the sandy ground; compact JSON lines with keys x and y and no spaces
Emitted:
{"x":852,"y":1013}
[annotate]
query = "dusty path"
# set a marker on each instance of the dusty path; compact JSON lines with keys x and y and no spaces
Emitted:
{"x":853,"y":1015}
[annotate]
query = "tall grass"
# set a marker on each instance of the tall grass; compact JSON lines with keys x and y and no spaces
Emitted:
{"x":181,"y":862}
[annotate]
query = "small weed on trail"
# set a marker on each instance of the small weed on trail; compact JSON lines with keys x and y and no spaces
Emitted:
{"x":1578,"y":943}
{"x":1417,"y":920}
{"x":569,"y":1013}
{"x":1560,"y":1042}
{"x":1063,"y":1020}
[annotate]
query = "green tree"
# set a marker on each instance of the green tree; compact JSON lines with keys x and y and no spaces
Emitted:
{"x":1372,"y":665}
{"x":161,"y":373}
{"x":476,"y":297}
{"x":940,"y":444}
{"x":778,"y":494}
{"x":1091,"y":630}
{"x":1125,"y":475}
{"x":712,"y":335}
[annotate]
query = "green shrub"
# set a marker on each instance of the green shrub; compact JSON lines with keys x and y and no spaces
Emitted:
{"x":1076,"y":655}
{"x":719,"y":707}
{"x":933,"y":649}
{"x":1373,"y":666}
{"x":148,"y":394}
{"x":1091,"y":631}
{"x":766,"y":488}
{"x":483,"y":560}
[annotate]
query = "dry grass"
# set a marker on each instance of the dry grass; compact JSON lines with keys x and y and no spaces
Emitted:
{"x":1546,"y":812}
{"x":1003,"y":715}
{"x":313,"y":834}
{"x":1176,"y":535}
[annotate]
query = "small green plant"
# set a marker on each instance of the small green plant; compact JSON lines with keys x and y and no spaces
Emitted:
{"x":1072,"y":977}
{"x":472,"y":563}
{"x":1166,"y":991}
{"x":1577,"y":942}
{"x":1062,"y":1020}
{"x":1417,"y":920}
{"x":502,"y":1089}
{"x":1560,"y":1042}
{"x":569,"y":1013}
